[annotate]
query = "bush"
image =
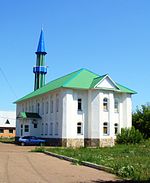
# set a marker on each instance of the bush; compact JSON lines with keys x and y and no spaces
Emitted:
{"x":129,"y":136}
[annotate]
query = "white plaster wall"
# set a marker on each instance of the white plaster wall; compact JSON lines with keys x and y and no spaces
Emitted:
{"x":92,"y":116}
{"x":94,"y":110}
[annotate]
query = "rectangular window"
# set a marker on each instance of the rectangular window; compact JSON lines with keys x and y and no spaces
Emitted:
{"x":57,"y":105}
{"x":10,"y":131}
{"x":116,"y":106}
{"x":46,"y":107}
{"x":51,"y":128}
{"x":79,"y":128}
{"x":35,"y":125}
{"x":42,"y":107}
{"x":52,"y":105}
{"x":56,"y":128}
{"x":105,"y":128}
{"x":26,"y":128}
{"x":42,"y":130}
{"x":32,"y":108}
{"x":38,"y":108}
{"x":1,"y":130}
{"x":46,"y":129}
{"x":79,"y":104}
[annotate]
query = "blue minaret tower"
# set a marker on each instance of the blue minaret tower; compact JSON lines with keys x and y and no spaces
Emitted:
{"x":40,"y":69}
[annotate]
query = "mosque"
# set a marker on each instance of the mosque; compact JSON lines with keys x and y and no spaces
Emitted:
{"x":81,"y":108}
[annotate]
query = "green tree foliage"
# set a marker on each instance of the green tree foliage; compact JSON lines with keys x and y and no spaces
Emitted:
{"x":129,"y":136}
{"x":141,"y":119}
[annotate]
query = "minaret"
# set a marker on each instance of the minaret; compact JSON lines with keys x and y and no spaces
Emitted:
{"x":40,"y":69}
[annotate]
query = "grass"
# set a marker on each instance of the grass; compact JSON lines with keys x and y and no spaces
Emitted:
{"x":7,"y":140}
{"x":127,"y":161}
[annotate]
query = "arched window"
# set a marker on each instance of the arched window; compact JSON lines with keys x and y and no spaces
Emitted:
{"x":79,"y":128}
{"x":116,"y":105}
{"x":116,"y":128}
{"x":105,"y":104}
{"x":105,"y":128}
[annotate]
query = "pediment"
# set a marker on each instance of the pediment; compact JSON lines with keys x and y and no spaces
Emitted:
{"x":107,"y":83}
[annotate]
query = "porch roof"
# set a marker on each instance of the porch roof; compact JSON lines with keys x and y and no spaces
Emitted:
{"x":28,"y":115}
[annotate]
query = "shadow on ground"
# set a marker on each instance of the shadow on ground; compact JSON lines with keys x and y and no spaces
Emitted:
{"x":121,"y":181}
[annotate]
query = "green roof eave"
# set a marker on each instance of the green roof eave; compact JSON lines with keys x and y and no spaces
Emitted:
{"x":80,"y":79}
{"x":124,"y":89}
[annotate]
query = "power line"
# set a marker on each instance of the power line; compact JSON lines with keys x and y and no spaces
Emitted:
{"x":9,"y":85}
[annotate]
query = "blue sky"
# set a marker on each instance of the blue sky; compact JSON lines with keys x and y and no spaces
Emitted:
{"x":104,"y":36}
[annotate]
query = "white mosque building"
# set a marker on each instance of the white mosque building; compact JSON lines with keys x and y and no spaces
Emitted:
{"x":79,"y":109}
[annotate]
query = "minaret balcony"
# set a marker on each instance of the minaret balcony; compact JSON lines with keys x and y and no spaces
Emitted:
{"x":40,"y":69}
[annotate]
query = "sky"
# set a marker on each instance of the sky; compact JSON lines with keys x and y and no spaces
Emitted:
{"x":105,"y":36}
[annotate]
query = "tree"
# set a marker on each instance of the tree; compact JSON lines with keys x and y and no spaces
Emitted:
{"x":141,"y":119}
{"x":129,"y":136}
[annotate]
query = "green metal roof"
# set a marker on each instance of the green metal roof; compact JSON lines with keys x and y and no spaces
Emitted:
{"x":25,"y":115}
{"x":80,"y":79}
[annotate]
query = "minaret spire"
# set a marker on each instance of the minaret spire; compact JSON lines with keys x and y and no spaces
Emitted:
{"x":40,"y":69}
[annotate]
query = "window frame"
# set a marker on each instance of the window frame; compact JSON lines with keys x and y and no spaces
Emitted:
{"x":105,"y":104}
{"x":79,"y":107}
{"x":1,"y":132}
{"x":47,"y":107}
{"x":116,"y":109}
{"x":11,"y":131}
{"x":116,"y":128}
{"x":26,"y":128}
{"x":79,"y":128}
{"x":51,"y":129}
{"x":52,"y":106}
{"x":105,"y":129}
{"x":56,"y":128}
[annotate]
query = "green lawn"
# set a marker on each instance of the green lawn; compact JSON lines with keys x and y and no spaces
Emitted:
{"x":127,"y":161}
{"x":7,"y":140}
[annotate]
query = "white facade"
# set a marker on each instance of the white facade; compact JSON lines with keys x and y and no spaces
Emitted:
{"x":77,"y":116}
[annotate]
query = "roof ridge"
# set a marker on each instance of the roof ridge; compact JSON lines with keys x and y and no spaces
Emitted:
{"x":79,"y":71}
{"x":58,"y":79}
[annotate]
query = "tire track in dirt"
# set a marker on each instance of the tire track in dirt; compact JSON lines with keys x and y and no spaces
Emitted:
{"x":35,"y":170}
{"x":6,"y":174}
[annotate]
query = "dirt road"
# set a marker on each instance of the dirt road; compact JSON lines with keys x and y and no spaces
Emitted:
{"x":18,"y":165}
